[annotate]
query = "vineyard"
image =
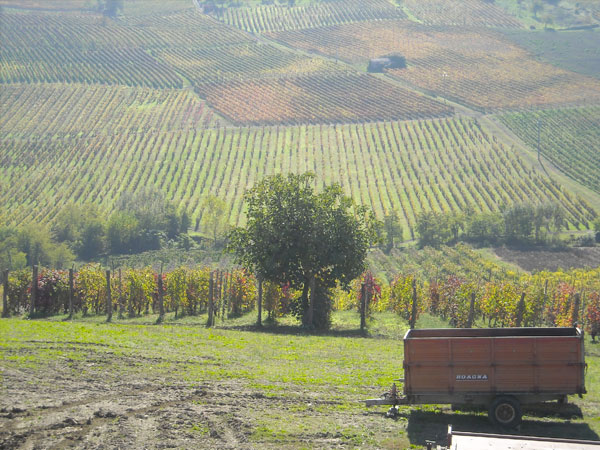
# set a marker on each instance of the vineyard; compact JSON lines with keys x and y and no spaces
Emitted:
{"x":463,"y":13}
{"x":448,"y":165}
{"x":568,"y":138}
{"x":268,"y":18}
{"x":478,"y":68}
{"x":243,"y":61}
{"x":497,"y":299}
{"x":71,"y":109}
{"x":317,"y":99}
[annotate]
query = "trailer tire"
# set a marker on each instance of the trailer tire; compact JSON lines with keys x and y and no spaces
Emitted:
{"x":505,"y":412}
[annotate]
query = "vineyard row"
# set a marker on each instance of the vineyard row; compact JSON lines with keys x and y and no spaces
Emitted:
{"x":447,"y":165}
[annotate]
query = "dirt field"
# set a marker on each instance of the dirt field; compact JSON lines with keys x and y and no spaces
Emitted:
{"x":97,"y":386}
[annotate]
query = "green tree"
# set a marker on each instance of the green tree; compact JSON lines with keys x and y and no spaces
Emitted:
{"x":519,"y":222}
{"x":10,"y":256}
{"x":392,"y":228}
{"x":433,"y":229}
{"x":121,"y":232}
{"x":110,"y":8}
{"x":82,"y":227}
{"x":294,"y":235}
{"x":36,"y":243}
{"x":485,"y":227}
{"x":213,"y":219}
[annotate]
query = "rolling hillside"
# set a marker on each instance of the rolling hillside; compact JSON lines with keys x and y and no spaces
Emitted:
{"x":199,"y":100}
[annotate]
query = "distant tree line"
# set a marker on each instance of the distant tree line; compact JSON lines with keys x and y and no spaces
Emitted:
{"x":522,"y":223}
{"x":140,"y":222}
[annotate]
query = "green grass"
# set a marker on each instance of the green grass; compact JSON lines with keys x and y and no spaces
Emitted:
{"x":320,"y":378}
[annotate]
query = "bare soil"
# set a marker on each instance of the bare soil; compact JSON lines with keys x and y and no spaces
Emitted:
{"x":110,"y":401}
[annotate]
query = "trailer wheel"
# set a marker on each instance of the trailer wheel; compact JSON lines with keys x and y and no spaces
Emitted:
{"x":505,"y":412}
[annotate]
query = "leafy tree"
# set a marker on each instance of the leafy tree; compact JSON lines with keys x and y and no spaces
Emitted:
{"x":10,"y":256}
{"x":34,"y":241}
{"x":597,"y":228}
{"x":433,"y":229}
{"x":294,"y":235}
{"x":121,"y":232}
{"x":110,"y":8}
{"x":82,"y":227}
{"x":214,"y":217}
{"x":519,"y":222}
{"x":484,"y":227}
{"x":392,"y":228}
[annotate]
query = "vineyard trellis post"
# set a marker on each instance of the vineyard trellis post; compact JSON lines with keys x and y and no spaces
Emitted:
{"x":108,"y":298}
{"x":413,"y":314}
{"x":225,"y":296}
{"x":34,"y":285}
{"x":161,"y":305}
{"x":363,"y":295}
{"x":121,"y":306}
{"x":260,"y":295}
{"x":209,"y":322}
{"x":575,"y":318}
{"x":520,"y":310}
{"x":311,"y":301}
{"x":221,"y":293}
{"x":471,"y":311}
{"x":71,"y":292}
{"x":5,"y":312}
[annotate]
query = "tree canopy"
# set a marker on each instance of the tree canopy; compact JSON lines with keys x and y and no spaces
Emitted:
{"x":297,"y":236}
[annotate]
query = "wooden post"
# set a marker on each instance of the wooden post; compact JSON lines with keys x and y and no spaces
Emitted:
{"x":209,"y":322}
{"x":363,"y":314}
{"x":220,"y":296}
{"x":130,"y":310}
{"x":121,"y":306}
{"x":161,"y":304}
{"x":311,"y":301}
{"x":34,"y":285}
{"x":260,"y":295}
{"x":225,"y":296}
{"x":521,"y":310}
{"x":471,"y":311}
{"x":575,"y":318}
{"x":108,"y":298}
{"x":5,"y":312}
{"x":71,"y":293}
{"x":413,"y":314}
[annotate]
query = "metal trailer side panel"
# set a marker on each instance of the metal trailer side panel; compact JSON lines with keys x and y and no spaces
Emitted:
{"x":550,"y":362}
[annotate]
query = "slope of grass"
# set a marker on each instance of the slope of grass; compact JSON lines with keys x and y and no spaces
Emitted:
{"x":299,"y":389}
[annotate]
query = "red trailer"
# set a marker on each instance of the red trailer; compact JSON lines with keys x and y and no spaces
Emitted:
{"x":499,"y":368}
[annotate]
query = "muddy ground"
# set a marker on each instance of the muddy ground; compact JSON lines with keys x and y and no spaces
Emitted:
{"x":106,"y":401}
